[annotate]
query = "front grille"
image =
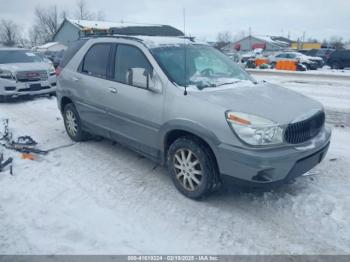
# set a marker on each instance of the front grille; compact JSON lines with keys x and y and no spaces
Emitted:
{"x":304,"y":130}
{"x":34,"y":87}
{"x":31,"y":76}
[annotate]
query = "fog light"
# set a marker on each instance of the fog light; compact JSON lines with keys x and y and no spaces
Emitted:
{"x":10,"y":88}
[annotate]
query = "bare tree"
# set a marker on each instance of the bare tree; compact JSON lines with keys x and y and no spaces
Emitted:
{"x":336,"y":42}
{"x":224,"y":37}
{"x":9,"y":32}
{"x":239,"y":35}
{"x":36,"y":36}
{"x":46,"y":23}
{"x":100,"y":16}
{"x":82,"y":11}
{"x":64,"y":14}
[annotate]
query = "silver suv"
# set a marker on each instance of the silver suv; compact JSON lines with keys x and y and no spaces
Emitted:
{"x":24,"y":73}
{"x":185,"y":105}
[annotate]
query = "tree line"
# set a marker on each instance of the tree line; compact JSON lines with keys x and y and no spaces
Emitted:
{"x":47,"y":20}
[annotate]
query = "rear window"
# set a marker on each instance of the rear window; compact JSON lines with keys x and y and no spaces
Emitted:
{"x":343,"y":54}
{"x":96,"y":60}
{"x":18,"y":56}
{"x":71,"y":51}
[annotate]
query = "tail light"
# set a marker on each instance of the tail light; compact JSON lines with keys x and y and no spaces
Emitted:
{"x":58,"y":70}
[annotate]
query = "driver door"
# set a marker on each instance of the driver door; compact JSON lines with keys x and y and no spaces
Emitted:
{"x":135,"y":111}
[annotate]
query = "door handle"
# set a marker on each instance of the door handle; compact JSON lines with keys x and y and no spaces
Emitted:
{"x":75,"y":79}
{"x":113,"y":90}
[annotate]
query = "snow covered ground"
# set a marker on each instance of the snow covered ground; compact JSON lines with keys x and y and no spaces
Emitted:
{"x":102,"y":198}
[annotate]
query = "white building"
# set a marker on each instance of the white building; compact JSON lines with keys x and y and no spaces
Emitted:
{"x":71,"y":30}
{"x":267,"y":43}
{"x":50,"y":47}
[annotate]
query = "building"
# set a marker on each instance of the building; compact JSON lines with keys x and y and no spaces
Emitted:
{"x":71,"y":30}
{"x":305,"y":45}
{"x":50,"y":47}
{"x":267,"y":43}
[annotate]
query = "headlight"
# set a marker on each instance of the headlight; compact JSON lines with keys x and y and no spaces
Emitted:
{"x":52,"y":71}
{"x":255,"y":130}
{"x":6,"y":74}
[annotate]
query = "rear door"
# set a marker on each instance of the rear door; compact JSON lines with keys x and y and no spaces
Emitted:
{"x":136,"y":112}
{"x":92,"y":86}
{"x":346,"y":58}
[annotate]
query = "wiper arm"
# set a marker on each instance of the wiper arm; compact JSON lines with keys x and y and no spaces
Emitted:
{"x":230,"y":83}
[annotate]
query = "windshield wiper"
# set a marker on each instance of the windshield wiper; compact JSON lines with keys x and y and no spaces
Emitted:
{"x":230,"y":83}
{"x":205,"y":86}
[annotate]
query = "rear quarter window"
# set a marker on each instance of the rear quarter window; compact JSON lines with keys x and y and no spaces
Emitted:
{"x":96,"y":60}
{"x":71,"y":51}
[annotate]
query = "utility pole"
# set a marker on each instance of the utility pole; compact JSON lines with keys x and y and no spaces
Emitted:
{"x":250,"y":39}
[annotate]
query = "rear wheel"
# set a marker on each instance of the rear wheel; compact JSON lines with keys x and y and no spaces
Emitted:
{"x":192,"y":167}
{"x":336,"y":65}
{"x":73,"y":124}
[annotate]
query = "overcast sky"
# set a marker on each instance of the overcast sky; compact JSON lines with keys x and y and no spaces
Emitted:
{"x":205,"y":18}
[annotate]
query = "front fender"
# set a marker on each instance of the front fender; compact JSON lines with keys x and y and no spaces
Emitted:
{"x":189,"y":126}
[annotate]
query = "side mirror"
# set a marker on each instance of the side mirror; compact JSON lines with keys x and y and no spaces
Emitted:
{"x":141,"y":77}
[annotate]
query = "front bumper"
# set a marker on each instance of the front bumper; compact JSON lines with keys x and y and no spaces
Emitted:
{"x":13,"y":89}
{"x":316,"y":64}
{"x":271,"y":166}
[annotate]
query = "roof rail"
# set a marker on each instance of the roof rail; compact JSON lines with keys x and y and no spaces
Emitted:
{"x":138,"y":30}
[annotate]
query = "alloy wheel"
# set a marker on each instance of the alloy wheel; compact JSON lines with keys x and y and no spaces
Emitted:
{"x":71,"y":123}
{"x":188,"y":169}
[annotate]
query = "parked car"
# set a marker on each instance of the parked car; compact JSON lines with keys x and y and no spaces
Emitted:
{"x":324,"y":53}
{"x":251,"y":55}
{"x":206,"y":119}
{"x":235,"y":57}
{"x":339,"y":59}
{"x":43,"y":57}
{"x":311,"y":63}
{"x":24,"y":73}
{"x":55,"y":57}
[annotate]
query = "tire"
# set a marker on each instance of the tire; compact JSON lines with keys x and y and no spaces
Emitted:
{"x":4,"y":99}
{"x":273,"y":65}
{"x":73,"y":124}
{"x":191,"y":179}
{"x":336,"y":65}
{"x":308,"y":67}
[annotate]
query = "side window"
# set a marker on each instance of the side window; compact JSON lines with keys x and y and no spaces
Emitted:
{"x":280,"y":56}
{"x":130,"y":58}
{"x":96,"y":60}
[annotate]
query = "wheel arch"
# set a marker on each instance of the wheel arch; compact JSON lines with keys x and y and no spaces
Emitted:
{"x":65,"y":101}
{"x":181,"y":128}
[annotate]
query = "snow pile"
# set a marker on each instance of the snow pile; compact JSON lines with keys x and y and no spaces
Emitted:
{"x":101,"y":198}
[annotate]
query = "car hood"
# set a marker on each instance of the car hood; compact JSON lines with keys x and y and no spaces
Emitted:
{"x":270,"y":101}
{"x":18,"y":67}
{"x":315,"y":58}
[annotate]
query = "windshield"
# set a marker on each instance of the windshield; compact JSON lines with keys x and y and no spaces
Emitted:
{"x":18,"y":56}
{"x":204,"y":67}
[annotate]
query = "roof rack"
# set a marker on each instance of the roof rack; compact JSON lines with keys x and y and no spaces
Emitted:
{"x":138,"y":30}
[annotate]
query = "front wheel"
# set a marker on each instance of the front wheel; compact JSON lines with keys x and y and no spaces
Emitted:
{"x":191,"y":167}
{"x":73,"y":124}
